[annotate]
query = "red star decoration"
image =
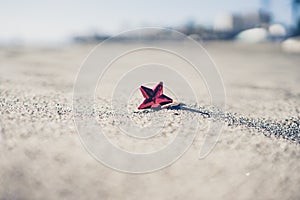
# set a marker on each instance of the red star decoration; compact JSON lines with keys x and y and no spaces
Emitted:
{"x":154,"y":98}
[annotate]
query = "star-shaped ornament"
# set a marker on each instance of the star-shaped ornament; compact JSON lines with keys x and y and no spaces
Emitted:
{"x":154,"y":98}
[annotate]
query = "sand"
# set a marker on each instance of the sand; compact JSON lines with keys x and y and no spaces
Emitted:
{"x":42,"y":156}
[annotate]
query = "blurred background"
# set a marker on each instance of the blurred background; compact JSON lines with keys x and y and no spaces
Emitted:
{"x":54,"y":22}
{"x":254,"y":43}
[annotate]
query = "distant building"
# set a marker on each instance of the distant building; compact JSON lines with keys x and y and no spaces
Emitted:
{"x":238,"y":22}
{"x":296,"y":15}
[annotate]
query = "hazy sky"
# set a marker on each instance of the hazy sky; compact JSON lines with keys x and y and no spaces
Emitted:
{"x":38,"y":20}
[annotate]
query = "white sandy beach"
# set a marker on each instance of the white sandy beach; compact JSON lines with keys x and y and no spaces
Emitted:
{"x":42,"y":156}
